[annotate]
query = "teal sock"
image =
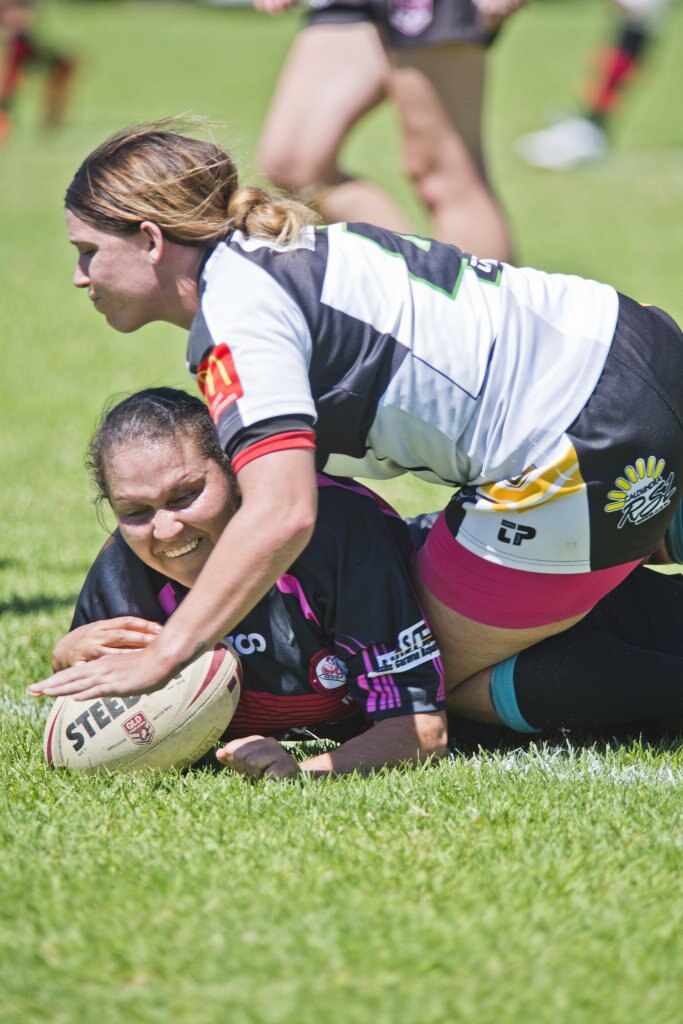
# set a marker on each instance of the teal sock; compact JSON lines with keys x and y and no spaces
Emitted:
{"x":504,"y":698}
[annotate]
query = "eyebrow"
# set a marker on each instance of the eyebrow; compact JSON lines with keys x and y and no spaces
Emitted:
{"x":189,"y":483}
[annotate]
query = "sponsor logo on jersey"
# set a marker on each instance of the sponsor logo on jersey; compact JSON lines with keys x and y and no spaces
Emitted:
{"x":327,"y":672}
{"x":139,"y":728}
{"x":218,"y":381}
{"x":641,"y":492}
{"x":515,"y":533}
{"x":415,"y":646}
{"x":410,"y":17}
{"x":247,"y":643}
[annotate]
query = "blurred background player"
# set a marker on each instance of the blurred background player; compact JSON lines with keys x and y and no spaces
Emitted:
{"x":429,"y":57}
{"x":24,"y":50}
{"x":585,"y":136}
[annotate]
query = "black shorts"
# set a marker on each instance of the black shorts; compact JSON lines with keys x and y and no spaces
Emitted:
{"x":406,"y":23}
{"x":549,"y":544}
{"x":629,"y":435}
{"x":606,"y":492}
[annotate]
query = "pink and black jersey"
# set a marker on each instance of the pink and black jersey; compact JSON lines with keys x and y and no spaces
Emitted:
{"x":394,"y":353}
{"x":338,"y":642}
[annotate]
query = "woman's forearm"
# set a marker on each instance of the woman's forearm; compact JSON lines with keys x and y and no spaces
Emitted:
{"x":260,"y":542}
{"x":407,"y":739}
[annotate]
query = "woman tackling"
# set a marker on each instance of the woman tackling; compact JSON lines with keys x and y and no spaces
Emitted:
{"x":552,"y":401}
{"x":324,"y":651}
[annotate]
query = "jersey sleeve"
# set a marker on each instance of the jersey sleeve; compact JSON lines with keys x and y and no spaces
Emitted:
{"x":250,"y":348}
{"x":356,"y":570}
{"x":119,"y":583}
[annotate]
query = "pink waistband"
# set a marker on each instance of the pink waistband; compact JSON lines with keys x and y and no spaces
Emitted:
{"x":509,"y":598}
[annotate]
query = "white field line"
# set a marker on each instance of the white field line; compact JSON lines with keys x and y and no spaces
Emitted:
{"x":25,"y":707}
{"x":562,"y":763}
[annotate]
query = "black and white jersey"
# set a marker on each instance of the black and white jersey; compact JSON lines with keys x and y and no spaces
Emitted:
{"x":338,"y":642}
{"x":394,"y":353}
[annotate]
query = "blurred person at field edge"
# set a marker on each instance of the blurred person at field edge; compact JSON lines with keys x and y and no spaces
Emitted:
{"x":429,"y":57}
{"x":585,"y":136}
{"x":338,"y":649}
{"x":24,"y":50}
{"x":553,"y":402}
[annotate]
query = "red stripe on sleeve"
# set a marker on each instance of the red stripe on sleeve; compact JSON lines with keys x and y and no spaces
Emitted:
{"x":276,"y":443}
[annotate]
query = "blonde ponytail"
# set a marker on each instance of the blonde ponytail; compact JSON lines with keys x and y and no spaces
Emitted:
{"x":186,"y":186}
{"x":259,"y":214}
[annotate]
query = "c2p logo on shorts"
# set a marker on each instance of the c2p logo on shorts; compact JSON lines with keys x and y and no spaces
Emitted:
{"x":641,"y":492}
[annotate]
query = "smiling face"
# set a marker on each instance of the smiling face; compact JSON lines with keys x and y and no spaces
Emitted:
{"x":120,"y":273}
{"x":171,"y":503}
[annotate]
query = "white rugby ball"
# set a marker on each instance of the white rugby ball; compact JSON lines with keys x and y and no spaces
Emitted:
{"x":172,"y":727}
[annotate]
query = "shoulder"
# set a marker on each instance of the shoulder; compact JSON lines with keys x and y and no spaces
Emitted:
{"x":119,"y":583}
{"x":355,"y":519}
{"x":114,"y":557}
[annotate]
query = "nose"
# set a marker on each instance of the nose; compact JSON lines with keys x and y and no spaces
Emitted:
{"x":80,"y":278}
{"x":165,"y":525}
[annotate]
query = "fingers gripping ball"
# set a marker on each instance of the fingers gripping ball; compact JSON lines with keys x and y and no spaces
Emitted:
{"x":172,"y":727}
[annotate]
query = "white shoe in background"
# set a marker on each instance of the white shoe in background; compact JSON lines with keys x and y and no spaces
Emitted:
{"x":564,"y":144}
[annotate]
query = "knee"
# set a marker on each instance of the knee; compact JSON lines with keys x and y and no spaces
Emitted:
{"x":438,"y":186}
{"x":289,"y":167}
{"x":442,"y":172}
{"x":280,"y":166}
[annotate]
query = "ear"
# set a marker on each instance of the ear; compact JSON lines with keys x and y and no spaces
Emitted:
{"x":154,"y":240}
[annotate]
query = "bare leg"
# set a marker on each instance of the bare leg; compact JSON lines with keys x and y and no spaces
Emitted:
{"x":472,"y":699}
{"x":439,"y":92}
{"x":333,"y":75}
{"x":468,"y":647}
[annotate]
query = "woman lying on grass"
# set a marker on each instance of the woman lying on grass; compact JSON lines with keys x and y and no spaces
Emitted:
{"x":339,"y":643}
{"x":340,"y":639}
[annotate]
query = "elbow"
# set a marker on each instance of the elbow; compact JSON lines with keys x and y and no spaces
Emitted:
{"x":304,"y":523}
{"x":298,"y":520}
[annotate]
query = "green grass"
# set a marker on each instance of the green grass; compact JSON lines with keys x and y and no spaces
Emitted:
{"x":538,"y":885}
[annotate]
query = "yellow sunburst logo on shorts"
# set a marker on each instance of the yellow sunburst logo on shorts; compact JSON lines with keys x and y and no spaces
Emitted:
{"x":641,"y":492}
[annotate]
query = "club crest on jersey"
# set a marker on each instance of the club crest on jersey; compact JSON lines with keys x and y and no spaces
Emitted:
{"x":641,"y":492}
{"x":415,"y":646}
{"x":218,"y":381}
{"x":328,"y":672}
{"x":139,"y":728}
{"x":410,"y":17}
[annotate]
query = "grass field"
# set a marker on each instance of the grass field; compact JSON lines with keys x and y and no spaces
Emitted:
{"x":538,"y":885}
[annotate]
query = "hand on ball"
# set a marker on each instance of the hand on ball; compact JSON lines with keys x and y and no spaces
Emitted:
{"x":108,"y":636}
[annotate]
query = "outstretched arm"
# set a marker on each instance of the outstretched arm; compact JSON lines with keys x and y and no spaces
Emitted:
{"x":406,"y":739}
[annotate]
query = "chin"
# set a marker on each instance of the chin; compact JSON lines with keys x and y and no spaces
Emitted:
{"x":123,"y":327}
{"x":125,"y":323}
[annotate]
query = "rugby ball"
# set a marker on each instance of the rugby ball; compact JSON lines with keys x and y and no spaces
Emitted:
{"x":172,"y":727}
